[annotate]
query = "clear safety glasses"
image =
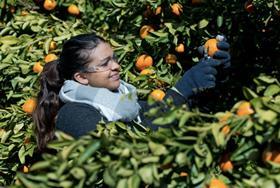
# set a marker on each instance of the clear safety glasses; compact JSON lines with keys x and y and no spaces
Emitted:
{"x":104,"y":66}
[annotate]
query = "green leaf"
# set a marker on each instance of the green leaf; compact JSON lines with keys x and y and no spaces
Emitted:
{"x":203,"y":23}
{"x":267,"y":115}
{"x":108,"y":178}
{"x":248,"y":93}
{"x":157,"y":149}
{"x":267,"y":79}
{"x":94,"y":146}
{"x":40,"y":165}
{"x":181,"y":159}
{"x":27,"y":183}
{"x":133,"y":181}
{"x":78,"y":173}
{"x":21,"y":154}
{"x":150,"y":159}
{"x":220,"y":21}
{"x":18,"y":127}
{"x":9,"y":40}
{"x":124,"y":172}
{"x":272,"y":90}
{"x":166,"y":119}
{"x":170,"y":28}
{"x":47,"y":45}
{"x":146,"y":174}
{"x":5,"y":136}
{"x":122,"y":183}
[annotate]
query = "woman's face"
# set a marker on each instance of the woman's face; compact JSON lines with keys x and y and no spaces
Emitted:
{"x":103,"y":70}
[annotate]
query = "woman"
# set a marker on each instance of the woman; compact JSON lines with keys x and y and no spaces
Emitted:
{"x":84,"y":87}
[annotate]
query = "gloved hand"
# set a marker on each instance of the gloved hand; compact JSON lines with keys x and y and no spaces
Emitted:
{"x":198,"y":78}
{"x":222,"y":54}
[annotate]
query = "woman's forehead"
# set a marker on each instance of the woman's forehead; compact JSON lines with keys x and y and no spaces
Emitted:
{"x":102,"y":51}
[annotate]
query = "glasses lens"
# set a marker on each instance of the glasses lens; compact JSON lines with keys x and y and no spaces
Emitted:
{"x":102,"y":67}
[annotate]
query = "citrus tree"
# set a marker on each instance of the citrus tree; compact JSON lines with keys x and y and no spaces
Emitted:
{"x":156,"y":41}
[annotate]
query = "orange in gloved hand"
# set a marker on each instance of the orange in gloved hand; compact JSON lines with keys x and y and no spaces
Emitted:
{"x":211,"y":46}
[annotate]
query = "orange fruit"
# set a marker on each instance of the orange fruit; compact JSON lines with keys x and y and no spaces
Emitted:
{"x":276,"y":156}
{"x":197,"y":2}
{"x":216,"y":183}
{"x":49,"y":4}
{"x":225,"y":117}
{"x":244,"y":109}
{"x":25,"y":169}
{"x":271,"y":155}
{"x":211,"y":46}
{"x":144,"y":61}
{"x":248,"y":6}
{"x":157,"y":94}
{"x":225,"y":163}
{"x":176,"y":9}
{"x":24,"y":13}
{"x":266,"y":156}
{"x":183,"y":174}
{"x":73,"y":10}
{"x":145,"y":30}
{"x":223,"y":120}
{"x":37,"y":67}
{"x":158,"y":10}
{"x":29,"y":105}
{"x":147,"y":72}
{"x":12,"y":9}
{"x":148,"y":12}
{"x":225,"y":129}
{"x":53,"y":45}
{"x":180,"y":48}
{"x":171,"y":59}
{"x":50,"y":57}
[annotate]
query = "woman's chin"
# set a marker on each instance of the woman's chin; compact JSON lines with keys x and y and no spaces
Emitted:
{"x":115,"y":85}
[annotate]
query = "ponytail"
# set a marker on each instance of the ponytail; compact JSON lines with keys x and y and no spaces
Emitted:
{"x":48,"y":104}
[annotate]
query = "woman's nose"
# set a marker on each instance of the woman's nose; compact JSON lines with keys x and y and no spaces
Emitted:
{"x":115,"y":66}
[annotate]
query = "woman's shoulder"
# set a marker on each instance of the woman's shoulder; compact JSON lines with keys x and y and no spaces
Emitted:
{"x":77,"y":118}
{"x":76,"y":107}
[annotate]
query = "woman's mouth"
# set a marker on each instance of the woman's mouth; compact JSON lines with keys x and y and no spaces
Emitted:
{"x":115,"y":77}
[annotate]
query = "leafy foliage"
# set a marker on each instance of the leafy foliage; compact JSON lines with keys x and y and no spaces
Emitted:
{"x":188,"y":154}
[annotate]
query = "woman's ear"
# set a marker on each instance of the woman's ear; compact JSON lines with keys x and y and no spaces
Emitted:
{"x":81,"y":78}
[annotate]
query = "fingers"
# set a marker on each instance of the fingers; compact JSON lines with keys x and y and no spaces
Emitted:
{"x":212,"y":62}
{"x":210,"y":78}
{"x":223,"y":57}
{"x":210,"y":70}
{"x":222,"y":45}
{"x":206,"y":85}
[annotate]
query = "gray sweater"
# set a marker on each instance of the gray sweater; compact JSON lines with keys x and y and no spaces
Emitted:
{"x":78,"y":119}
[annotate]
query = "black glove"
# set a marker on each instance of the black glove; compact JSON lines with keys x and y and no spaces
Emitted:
{"x":198,"y":78}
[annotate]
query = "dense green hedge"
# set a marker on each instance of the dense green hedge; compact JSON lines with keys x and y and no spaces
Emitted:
{"x":27,"y":29}
{"x":188,"y":154}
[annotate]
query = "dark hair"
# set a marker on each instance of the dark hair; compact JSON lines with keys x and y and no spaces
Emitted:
{"x":74,"y":56}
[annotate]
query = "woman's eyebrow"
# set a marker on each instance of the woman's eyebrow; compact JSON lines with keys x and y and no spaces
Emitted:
{"x":108,"y":58}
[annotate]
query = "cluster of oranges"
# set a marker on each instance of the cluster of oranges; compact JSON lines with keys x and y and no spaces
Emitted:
{"x":243,"y":109}
{"x":50,"y":5}
{"x":144,"y":62}
{"x":37,"y":67}
{"x":271,"y":155}
{"x":30,"y":104}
